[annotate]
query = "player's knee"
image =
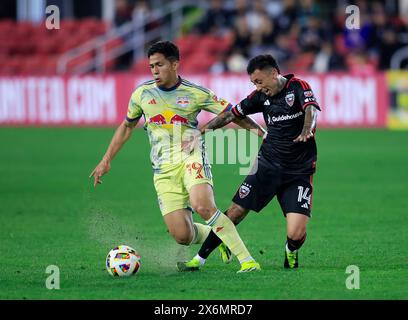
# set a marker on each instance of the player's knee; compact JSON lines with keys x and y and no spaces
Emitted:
{"x":204,"y":211}
{"x":183,"y":239}
{"x":182,"y":236}
{"x":297,"y":234}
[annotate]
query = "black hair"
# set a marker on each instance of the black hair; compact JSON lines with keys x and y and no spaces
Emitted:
{"x":166,"y":48}
{"x":261,"y":62}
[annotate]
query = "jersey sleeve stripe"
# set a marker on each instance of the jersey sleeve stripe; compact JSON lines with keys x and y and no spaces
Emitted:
{"x":192,"y":85}
{"x":235,"y":112}
{"x":132,"y":120}
{"x":301,"y":83}
{"x":307,"y":87}
{"x":252,"y":94}
{"x":227,"y":108}
{"x":311,"y":103}
{"x":290,"y":80}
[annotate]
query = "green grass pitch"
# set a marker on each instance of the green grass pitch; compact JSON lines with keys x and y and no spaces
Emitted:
{"x":51,"y":215}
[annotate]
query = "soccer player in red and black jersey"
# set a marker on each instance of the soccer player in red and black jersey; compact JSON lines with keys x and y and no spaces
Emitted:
{"x":287,"y":158}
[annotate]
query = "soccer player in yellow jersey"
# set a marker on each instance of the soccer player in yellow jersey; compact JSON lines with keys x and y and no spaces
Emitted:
{"x":183,"y":181}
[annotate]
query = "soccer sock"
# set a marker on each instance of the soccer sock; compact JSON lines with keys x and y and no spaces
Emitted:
{"x":202,"y":260}
{"x":209,"y":245}
{"x":226,"y":231}
{"x":201,"y":232}
{"x":293,"y":245}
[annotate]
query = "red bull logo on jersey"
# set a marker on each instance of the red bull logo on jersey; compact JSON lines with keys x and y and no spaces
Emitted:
{"x":178,"y":120}
{"x":158,"y":119}
{"x":182,"y":102}
{"x":168,"y":118}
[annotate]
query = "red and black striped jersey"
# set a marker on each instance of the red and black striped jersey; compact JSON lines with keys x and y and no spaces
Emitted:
{"x":284,"y":115}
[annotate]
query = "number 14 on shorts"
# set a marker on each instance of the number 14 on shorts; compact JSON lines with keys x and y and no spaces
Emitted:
{"x":303,"y":195}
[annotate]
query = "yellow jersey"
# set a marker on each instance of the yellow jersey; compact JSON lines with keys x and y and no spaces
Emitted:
{"x":170,"y":115}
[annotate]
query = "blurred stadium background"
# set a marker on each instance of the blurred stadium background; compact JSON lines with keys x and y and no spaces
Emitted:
{"x":56,"y":83}
{"x":357,"y":74}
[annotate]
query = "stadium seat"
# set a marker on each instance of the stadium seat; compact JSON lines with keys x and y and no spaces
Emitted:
{"x":303,"y":62}
{"x":80,"y":61}
{"x":141,"y":66}
{"x":199,"y":62}
{"x":12,"y":66}
{"x":187,"y":44}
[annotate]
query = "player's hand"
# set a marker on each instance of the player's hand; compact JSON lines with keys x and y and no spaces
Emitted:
{"x":304,"y":136}
{"x":188,"y":144}
{"x":102,"y":168}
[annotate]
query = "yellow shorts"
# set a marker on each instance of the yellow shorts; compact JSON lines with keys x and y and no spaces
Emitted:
{"x":173,"y":185}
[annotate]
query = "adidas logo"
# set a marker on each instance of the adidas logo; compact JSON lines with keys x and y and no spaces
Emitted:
{"x":305,"y":206}
{"x":267,"y":103}
{"x":152,"y":102}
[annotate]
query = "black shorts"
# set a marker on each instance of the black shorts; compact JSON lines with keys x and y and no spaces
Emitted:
{"x":294,"y":191}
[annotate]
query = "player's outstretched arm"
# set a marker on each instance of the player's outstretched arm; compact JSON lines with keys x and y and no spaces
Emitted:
{"x":219,"y":121}
{"x":122,"y":134}
{"x":309,"y":124}
{"x":250,"y":124}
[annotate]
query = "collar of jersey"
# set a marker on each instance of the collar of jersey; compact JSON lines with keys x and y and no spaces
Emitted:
{"x":173,"y":87}
{"x":289,"y":77}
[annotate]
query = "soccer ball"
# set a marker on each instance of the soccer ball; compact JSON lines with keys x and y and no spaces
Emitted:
{"x":122,"y":261}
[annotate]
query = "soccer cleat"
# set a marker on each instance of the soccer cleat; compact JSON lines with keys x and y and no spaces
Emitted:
{"x":192,"y":265}
{"x":225,"y":253}
{"x":291,"y":259}
{"x":249,"y":266}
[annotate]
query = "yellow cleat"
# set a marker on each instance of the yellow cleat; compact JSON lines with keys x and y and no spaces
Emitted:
{"x":249,"y":266}
{"x":225,"y":253}
{"x":192,"y":265}
{"x":291,"y":260}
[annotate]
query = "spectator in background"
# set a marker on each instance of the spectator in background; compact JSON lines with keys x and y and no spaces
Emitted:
{"x":387,"y":48}
{"x":379,"y":23}
{"x":327,"y":59}
{"x":123,"y":12}
{"x":307,"y":9}
{"x":311,"y":35}
{"x":236,"y":62}
{"x":241,"y":37}
{"x":241,"y":8}
{"x":263,"y":37}
{"x":281,"y":49}
{"x":217,"y":19}
{"x":141,"y":11}
{"x":143,"y":15}
{"x":221,"y":65}
{"x":402,"y":31}
{"x":286,"y":19}
{"x":255,"y":16}
{"x":304,"y":34}
{"x":359,"y":62}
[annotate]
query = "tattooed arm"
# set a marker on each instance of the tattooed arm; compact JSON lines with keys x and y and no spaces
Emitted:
{"x":309,"y":125}
{"x":227,"y":116}
{"x":219,"y":121}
